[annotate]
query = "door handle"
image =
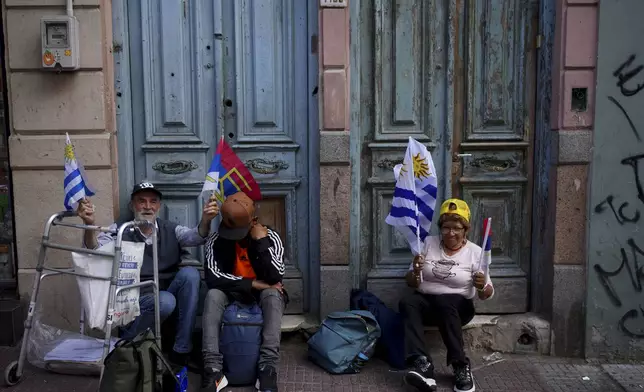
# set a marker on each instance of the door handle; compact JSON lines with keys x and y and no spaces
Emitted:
{"x":456,"y":156}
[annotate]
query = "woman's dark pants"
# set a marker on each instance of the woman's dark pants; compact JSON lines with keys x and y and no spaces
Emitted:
{"x":448,"y":312}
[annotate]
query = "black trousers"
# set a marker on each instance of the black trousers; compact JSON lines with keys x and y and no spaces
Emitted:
{"x":448,"y":312}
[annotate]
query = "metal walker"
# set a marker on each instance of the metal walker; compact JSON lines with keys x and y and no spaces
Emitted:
{"x":13,"y":373}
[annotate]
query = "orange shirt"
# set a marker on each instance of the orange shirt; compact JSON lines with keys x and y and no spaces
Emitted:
{"x":243,"y":267}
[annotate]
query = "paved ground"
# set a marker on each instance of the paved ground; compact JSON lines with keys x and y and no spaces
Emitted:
{"x":507,"y":373}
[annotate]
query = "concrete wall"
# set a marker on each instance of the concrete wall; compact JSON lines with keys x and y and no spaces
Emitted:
{"x":615,"y":301}
{"x":573,"y":81}
{"x":42,"y":107}
{"x":335,"y":172}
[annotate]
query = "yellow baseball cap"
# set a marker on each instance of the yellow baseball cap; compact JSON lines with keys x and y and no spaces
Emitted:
{"x":462,"y":209}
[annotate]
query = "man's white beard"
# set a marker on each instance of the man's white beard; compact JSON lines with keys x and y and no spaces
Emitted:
{"x":145,"y":215}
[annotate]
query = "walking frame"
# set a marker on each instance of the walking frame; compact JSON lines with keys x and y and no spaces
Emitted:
{"x":14,"y":371}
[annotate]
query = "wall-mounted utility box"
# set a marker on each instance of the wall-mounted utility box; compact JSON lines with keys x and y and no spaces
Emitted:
{"x":59,"y":36}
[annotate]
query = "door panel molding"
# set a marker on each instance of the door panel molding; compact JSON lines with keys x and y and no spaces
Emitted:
{"x":264,"y":34}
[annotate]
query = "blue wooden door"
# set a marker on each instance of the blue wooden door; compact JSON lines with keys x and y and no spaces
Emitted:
{"x":457,"y":76}
{"x":202,"y":69}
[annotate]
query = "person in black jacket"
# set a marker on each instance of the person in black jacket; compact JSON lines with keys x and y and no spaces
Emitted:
{"x":244,"y":262}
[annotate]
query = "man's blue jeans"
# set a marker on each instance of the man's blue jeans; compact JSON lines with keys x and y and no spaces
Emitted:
{"x":183,"y":293}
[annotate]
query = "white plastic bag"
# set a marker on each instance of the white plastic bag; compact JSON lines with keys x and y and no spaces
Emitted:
{"x":94,"y":293}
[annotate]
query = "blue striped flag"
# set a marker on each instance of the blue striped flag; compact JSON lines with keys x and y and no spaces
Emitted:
{"x":486,"y":255}
{"x":76,"y":188}
{"x":412,"y":207}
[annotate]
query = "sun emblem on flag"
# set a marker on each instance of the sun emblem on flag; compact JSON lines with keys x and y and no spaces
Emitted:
{"x":421,"y":169}
{"x":69,"y":152}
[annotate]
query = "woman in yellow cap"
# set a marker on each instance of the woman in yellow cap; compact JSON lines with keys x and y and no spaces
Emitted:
{"x":443,"y":298}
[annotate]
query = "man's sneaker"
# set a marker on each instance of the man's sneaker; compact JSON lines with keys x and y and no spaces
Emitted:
{"x":267,"y":380}
{"x":463,"y":378}
{"x":421,"y":376}
{"x":213,"y":380}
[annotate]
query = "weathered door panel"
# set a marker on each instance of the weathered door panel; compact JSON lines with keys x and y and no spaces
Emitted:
{"x":173,"y":101}
{"x":204,"y":69}
{"x":498,"y":113}
{"x":265,"y":111}
{"x":452,"y":74}
{"x":403,"y":73}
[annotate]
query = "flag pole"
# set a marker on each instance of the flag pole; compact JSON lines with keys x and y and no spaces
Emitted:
{"x":418,"y":242}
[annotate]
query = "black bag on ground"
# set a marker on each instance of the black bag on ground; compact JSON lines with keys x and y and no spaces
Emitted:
{"x":132,"y":367}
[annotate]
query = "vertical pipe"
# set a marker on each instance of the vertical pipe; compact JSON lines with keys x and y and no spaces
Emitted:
{"x":70,"y":8}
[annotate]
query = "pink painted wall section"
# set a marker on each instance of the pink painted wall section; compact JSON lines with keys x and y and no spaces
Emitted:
{"x":574,"y":62}
{"x":572,"y":117}
{"x":334,"y":65}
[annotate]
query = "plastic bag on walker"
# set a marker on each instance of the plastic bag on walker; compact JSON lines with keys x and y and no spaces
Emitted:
{"x":61,"y":351}
{"x":94,"y":293}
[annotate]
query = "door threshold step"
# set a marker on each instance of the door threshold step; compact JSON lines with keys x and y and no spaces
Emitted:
{"x":477,"y":322}
{"x":296,"y":322}
{"x":523,"y":333}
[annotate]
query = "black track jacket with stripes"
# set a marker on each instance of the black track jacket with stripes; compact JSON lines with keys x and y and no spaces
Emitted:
{"x":266,"y":257}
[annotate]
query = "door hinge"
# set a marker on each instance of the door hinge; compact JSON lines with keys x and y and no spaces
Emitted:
{"x":185,"y":9}
{"x":539,"y":40}
{"x":314,"y":44}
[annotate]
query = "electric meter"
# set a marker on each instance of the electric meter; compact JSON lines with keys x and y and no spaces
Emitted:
{"x":59,"y":36}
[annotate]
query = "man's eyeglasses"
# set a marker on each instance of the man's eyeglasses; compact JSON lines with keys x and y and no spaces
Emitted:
{"x":453,"y":230}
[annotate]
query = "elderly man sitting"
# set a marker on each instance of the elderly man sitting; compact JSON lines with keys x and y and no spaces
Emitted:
{"x":179,"y":287}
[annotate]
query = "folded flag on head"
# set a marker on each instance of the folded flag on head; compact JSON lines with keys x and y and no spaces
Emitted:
{"x":412,"y":207}
{"x":486,"y":256}
{"x":228,"y":175}
{"x":76,"y":188}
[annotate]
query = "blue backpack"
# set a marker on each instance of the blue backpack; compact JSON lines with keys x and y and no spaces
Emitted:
{"x":391,"y":324}
{"x":239,"y":342}
{"x":344,"y":342}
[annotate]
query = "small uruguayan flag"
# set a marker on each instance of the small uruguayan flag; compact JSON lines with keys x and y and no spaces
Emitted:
{"x":412,"y":208}
{"x":76,"y":188}
{"x":486,"y":256}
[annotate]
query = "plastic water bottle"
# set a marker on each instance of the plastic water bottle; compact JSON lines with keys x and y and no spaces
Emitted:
{"x":363,"y":357}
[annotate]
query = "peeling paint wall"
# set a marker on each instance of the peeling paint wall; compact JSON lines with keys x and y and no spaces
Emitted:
{"x":615,"y":299}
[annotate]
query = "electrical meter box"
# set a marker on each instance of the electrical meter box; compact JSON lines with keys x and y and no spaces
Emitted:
{"x":59,"y":36}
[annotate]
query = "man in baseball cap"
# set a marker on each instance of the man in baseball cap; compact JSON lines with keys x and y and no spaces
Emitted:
{"x":179,"y":286}
{"x":244,"y":262}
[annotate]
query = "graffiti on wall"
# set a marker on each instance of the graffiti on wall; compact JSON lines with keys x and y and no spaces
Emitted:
{"x":630,"y":81}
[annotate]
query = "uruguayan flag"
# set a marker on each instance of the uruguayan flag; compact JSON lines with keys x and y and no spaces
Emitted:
{"x":415,"y":195}
{"x":75,"y":187}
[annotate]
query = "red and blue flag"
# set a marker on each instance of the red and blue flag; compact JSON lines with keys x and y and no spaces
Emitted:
{"x":486,"y":256}
{"x":228,"y":175}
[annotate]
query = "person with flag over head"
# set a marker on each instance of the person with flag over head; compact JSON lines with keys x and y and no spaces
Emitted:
{"x":244,"y":262}
{"x":447,"y":275}
{"x":179,"y":287}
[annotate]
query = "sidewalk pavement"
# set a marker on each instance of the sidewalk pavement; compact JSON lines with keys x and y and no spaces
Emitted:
{"x":514,"y":373}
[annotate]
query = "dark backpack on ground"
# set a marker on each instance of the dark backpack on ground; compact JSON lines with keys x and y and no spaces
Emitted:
{"x":344,"y":342}
{"x":239,"y":342}
{"x":132,"y":367}
{"x":392,"y":341}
